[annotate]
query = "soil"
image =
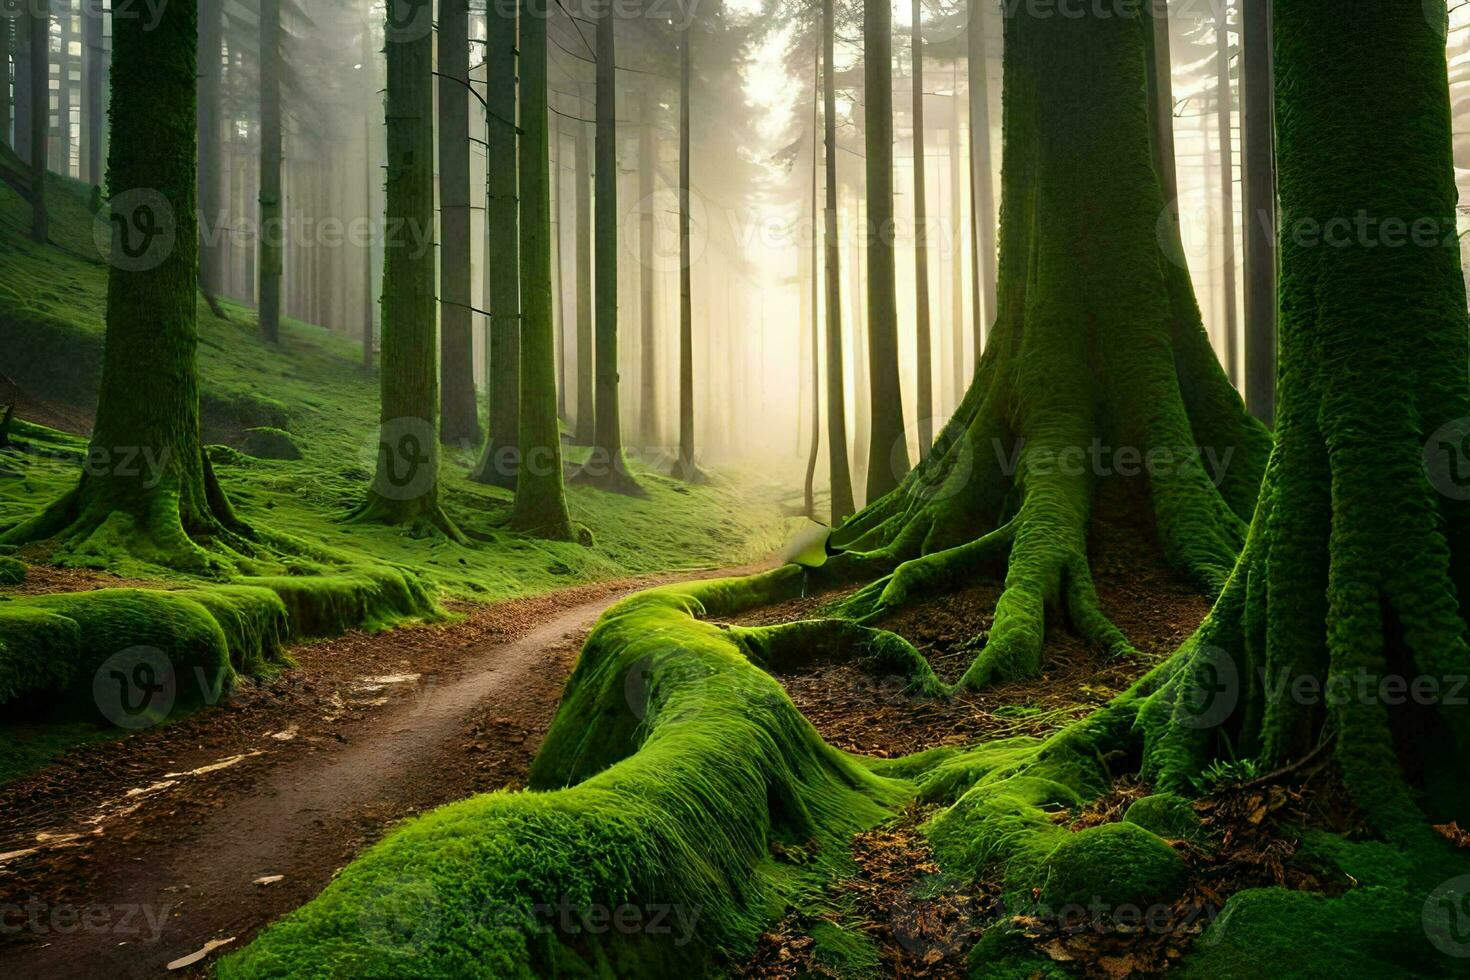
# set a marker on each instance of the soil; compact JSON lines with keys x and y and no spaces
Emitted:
{"x":122,"y":857}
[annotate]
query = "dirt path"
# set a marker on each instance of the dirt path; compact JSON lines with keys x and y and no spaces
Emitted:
{"x":124,"y":857}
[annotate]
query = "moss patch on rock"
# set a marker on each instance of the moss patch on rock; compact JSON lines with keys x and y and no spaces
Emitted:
{"x":266,"y":442}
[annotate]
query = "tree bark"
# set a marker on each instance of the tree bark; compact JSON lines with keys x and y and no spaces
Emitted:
{"x":501,"y":461}
{"x":272,"y":231}
{"x":211,"y":172}
{"x":7,"y":45}
{"x":888,"y":453}
{"x":922,"y":326}
{"x":648,"y":341}
{"x":540,"y":504}
{"x":585,"y":431}
{"x":39,"y":65}
{"x":957,"y":249}
{"x":840,"y":469}
{"x":459,"y":411}
{"x":684,"y":467}
{"x":814,"y":299}
{"x":405,"y":490}
{"x":1259,"y":165}
{"x":982,"y":182}
{"x":21,"y":107}
{"x":1225,"y":109}
{"x":96,"y":109}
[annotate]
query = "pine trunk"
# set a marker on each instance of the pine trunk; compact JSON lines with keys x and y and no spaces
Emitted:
{"x":841,"y":471}
{"x":459,"y":422}
{"x":1259,"y":165}
{"x":648,"y":163}
{"x":272,"y":231}
{"x":585,"y":431}
{"x":982,"y":184}
{"x":922,"y":326}
{"x":39,"y":65}
{"x":214,"y":218}
{"x":685,"y":467}
{"x":540,"y":505}
{"x":1225,"y":109}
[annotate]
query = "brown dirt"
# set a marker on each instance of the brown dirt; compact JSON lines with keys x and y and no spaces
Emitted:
{"x":44,"y":411}
{"x":136,"y":852}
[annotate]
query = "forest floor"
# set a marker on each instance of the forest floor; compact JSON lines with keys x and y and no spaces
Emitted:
{"x":128,"y":855}
{"x":923,"y":922}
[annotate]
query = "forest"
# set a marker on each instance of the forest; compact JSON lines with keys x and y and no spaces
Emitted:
{"x":734,"y":488}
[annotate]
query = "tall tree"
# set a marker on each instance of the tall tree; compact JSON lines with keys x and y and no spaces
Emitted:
{"x":814,"y":299}
{"x":21,"y":106}
{"x":6,"y":46}
{"x":1259,"y":166}
{"x":540,"y":504}
{"x":1092,"y":348}
{"x":95,"y":111}
{"x":921,"y":236}
{"x":983,"y":255}
{"x":648,"y":164}
{"x":888,"y":452}
{"x":405,"y":490}
{"x":272,"y":231}
{"x":585,"y":425}
{"x":956,"y":245}
{"x":841,"y":471}
{"x":459,"y":411}
{"x":1224,"y":108}
{"x":39,"y":117}
{"x":1356,"y":560}
{"x":211,"y":164}
{"x":176,"y":515}
{"x":501,"y":461}
{"x":606,"y":467}
{"x":685,"y":467}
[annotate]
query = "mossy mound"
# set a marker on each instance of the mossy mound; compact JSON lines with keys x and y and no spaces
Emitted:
{"x":265,"y":442}
{"x":673,"y":767}
{"x":1166,"y":814}
{"x":1115,"y":864}
{"x":12,"y":572}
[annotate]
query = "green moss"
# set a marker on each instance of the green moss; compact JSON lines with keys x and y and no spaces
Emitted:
{"x":1166,"y":814}
{"x":672,"y":768}
{"x":12,"y":572}
{"x":34,"y":648}
{"x":1115,"y":864}
{"x":265,"y":442}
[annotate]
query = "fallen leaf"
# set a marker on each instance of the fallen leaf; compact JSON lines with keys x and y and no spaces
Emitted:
{"x":198,"y":955}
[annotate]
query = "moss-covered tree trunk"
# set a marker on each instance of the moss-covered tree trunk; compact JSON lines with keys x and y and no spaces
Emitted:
{"x":501,"y":460}
{"x":272,"y":231}
{"x":147,"y":489}
{"x":606,"y":466}
{"x":840,"y":470}
{"x":405,"y":488}
{"x":888,"y":452}
{"x":459,"y":423}
{"x":1098,"y":367}
{"x":540,"y":505}
{"x":1358,"y":560}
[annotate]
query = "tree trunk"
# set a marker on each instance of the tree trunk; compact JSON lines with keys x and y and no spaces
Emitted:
{"x":96,"y":108}
{"x":459,"y":412}
{"x":921,"y":239}
{"x":648,"y":341}
{"x":21,"y":107}
{"x":1098,"y":367}
{"x":982,"y":182}
{"x":814,"y":298}
{"x":214,"y":219}
{"x":39,"y":66}
{"x":501,"y":461}
{"x":369,"y":176}
{"x":405,"y":490}
{"x":7,"y":43}
{"x":540,"y":505}
{"x":957,"y":252}
{"x":585,"y":432}
{"x":1225,"y":109}
{"x":606,"y":466}
{"x":1259,"y":166}
{"x":272,"y":231}
{"x":64,"y":94}
{"x":147,"y":491}
{"x":841,"y":471}
{"x":888,"y":453}
{"x":684,"y":467}
{"x":1357,"y":555}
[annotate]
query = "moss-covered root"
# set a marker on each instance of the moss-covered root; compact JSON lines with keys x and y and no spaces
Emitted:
{"x":1098,"y":368}
{"x":673,"y":769}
